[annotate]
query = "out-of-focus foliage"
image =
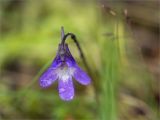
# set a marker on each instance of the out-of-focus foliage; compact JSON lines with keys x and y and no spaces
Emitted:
{"x":124,"y":83}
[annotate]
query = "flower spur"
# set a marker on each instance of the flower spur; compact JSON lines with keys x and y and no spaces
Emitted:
{"x":63,"y":69}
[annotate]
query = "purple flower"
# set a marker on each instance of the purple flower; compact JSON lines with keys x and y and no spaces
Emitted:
{"x":63,"y":69}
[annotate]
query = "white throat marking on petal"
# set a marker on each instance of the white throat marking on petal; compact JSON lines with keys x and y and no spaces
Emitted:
{"x":65,"y":72}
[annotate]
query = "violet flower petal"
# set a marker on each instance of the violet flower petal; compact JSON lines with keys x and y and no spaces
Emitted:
{"x":63,"y":54}
{"x":69,"y":61}
{"x":48,"y":77}
{"x":68,"y":57}
{"x":56,"y":62}
{"x":81,"y":76}
{"x":66,"y":89}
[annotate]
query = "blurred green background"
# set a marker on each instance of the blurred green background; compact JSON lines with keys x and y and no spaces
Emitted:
{"x":120,"y":40}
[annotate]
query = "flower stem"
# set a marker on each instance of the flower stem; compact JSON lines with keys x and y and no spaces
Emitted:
{"x":64,"y":37}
